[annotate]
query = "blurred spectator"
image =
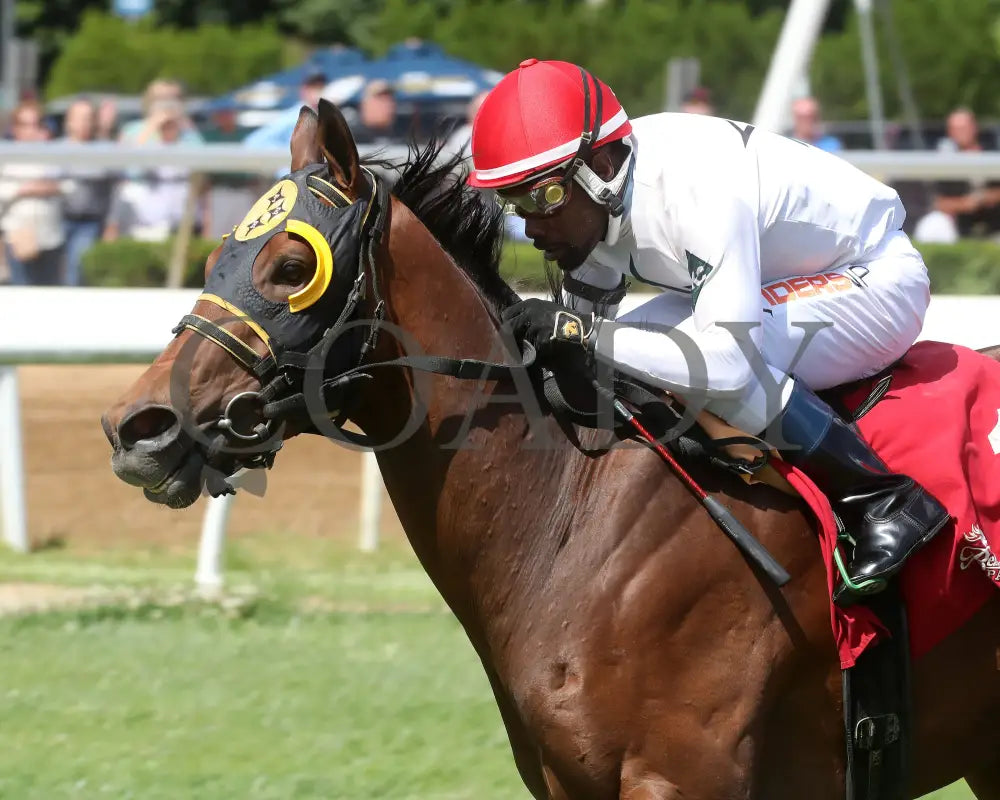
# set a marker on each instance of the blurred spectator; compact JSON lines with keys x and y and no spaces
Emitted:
{"x":29,"y":96}
{"x":163,"y":100}
{"x":227,"y":195}
{"x":107,"y":120}
{"x":807,"y":125}
{"x":31,"y":208}
{"x":963,"y":133}
{"x":961,"y":208}
{"x":278,"y":132}
{"x":149,"y":205}
{"x":86,"y":191}
{"x":459,"y":140}
{"x":222,"y":125}
{"x":698,"y":101}
{"x":377,"y":122}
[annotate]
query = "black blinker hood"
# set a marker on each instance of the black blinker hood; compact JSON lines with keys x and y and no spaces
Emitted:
{"x":291,"y":201}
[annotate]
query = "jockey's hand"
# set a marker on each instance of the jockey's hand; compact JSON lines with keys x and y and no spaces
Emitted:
{"x":547,"y":325}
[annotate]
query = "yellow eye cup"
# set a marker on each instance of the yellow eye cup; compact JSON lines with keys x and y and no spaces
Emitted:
{"x":320,"y":281}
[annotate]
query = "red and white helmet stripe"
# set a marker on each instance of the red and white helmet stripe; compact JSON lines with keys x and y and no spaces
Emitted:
{"x":532,"y":120}
{"x":548,"y":158}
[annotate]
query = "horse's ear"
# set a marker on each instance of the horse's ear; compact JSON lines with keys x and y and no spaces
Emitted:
{"x":305,"y":142}
{"x":337,"y":143}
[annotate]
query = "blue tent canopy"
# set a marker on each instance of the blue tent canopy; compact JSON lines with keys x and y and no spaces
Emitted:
{"x":280,"y":90}
{"x":421,"y":72}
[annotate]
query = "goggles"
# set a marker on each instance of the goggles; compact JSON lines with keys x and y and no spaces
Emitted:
{"x":544,"y":198}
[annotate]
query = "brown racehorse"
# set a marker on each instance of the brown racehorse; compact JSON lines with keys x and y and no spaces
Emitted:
{"x":632,"y":651}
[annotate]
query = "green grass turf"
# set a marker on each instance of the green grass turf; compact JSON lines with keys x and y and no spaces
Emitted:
{"x":177,"y":704}
{"x":326,"y":673}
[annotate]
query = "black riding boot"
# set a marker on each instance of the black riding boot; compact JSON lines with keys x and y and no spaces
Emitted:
{"x":889,"y":516}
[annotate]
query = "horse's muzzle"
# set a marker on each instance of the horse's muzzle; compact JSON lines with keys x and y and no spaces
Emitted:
{"x":151,"y":450}
{"x":173,"y":462}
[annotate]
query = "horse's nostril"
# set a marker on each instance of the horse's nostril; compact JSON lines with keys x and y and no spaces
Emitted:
{"x":145,"y":423}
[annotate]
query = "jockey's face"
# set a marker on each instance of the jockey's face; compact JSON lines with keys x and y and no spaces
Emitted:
{"x":571,"y":232}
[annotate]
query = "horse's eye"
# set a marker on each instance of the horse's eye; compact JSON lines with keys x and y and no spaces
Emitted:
{"x":290,"y":273}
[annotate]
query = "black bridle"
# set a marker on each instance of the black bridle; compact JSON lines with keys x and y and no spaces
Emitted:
{"x":282,"y":372}
{"x":591,"y":127}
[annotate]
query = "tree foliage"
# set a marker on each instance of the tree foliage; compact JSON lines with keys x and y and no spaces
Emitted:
{"x":111,"y":54}
{"x":627,"y":44}
{"x":951,"y":49}
{"x":328,"y":22}
{"x":54,"y":24}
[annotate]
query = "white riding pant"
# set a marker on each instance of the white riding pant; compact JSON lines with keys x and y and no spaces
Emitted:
{"x":869,"y":315}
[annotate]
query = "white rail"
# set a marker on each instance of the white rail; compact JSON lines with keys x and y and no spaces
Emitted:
{"x":84,"y":325}
{"x":221,"y":158}
{"x":12,"y":505}
{"x":200,"y":158}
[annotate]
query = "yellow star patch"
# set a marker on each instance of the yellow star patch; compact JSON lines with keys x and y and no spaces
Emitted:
{"x":269,"y":211}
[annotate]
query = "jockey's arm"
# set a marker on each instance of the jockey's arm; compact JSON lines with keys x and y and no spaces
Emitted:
{"x":720,"y":241}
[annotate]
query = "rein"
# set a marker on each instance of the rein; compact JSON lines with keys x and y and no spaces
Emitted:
{"x":281,"y":372}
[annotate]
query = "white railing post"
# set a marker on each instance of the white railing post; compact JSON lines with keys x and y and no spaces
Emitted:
{"x":789,"y":61}
{"x":12,"y":500}
{"x":371,"y":502}
{"x":208,"y":576}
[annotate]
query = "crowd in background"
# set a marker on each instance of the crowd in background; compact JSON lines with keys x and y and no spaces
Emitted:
{"x":50,"y":217}
{"x":947,"y":210}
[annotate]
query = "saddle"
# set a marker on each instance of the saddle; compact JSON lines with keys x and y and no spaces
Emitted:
{"x":877,"y":700}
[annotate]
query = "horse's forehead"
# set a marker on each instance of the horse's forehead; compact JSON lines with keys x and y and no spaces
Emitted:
{"x":328,"y":225}
{"x":284,"y":241}
{"x":270,"y":210}
{"x":304,"y":203}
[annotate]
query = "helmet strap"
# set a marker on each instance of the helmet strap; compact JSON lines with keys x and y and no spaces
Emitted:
{"x":591,"y":128}
{"x":609,"y":194}
{"x":606,"y":193}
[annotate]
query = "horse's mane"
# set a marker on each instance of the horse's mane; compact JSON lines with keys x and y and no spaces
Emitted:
{"x":468,"y":224}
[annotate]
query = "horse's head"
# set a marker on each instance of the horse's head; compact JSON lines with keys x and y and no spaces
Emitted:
{"x":278,"y":292}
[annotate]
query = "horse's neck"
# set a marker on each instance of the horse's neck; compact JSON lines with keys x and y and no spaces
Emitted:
{"x":466,"y":489}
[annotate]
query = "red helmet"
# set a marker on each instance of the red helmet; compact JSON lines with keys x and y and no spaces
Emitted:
{"x":533,"y":119}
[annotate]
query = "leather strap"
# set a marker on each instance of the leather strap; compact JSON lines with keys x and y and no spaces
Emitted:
{"x":594,"y":294}
{"x":262,"y":367}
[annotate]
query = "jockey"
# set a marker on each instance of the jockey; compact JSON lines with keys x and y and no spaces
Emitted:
{"x":784,"y":271}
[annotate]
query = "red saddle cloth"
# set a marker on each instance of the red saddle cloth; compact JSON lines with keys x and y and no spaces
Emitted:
{"x":940,"y":424}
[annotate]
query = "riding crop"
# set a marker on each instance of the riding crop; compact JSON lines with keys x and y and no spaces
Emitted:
{"x":723,"y":517}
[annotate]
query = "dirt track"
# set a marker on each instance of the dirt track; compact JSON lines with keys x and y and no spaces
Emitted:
{"x":73,"y":495}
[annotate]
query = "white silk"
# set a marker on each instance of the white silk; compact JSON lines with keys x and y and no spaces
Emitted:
{"x":715,"y":211}
{"x":869,"y":318}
